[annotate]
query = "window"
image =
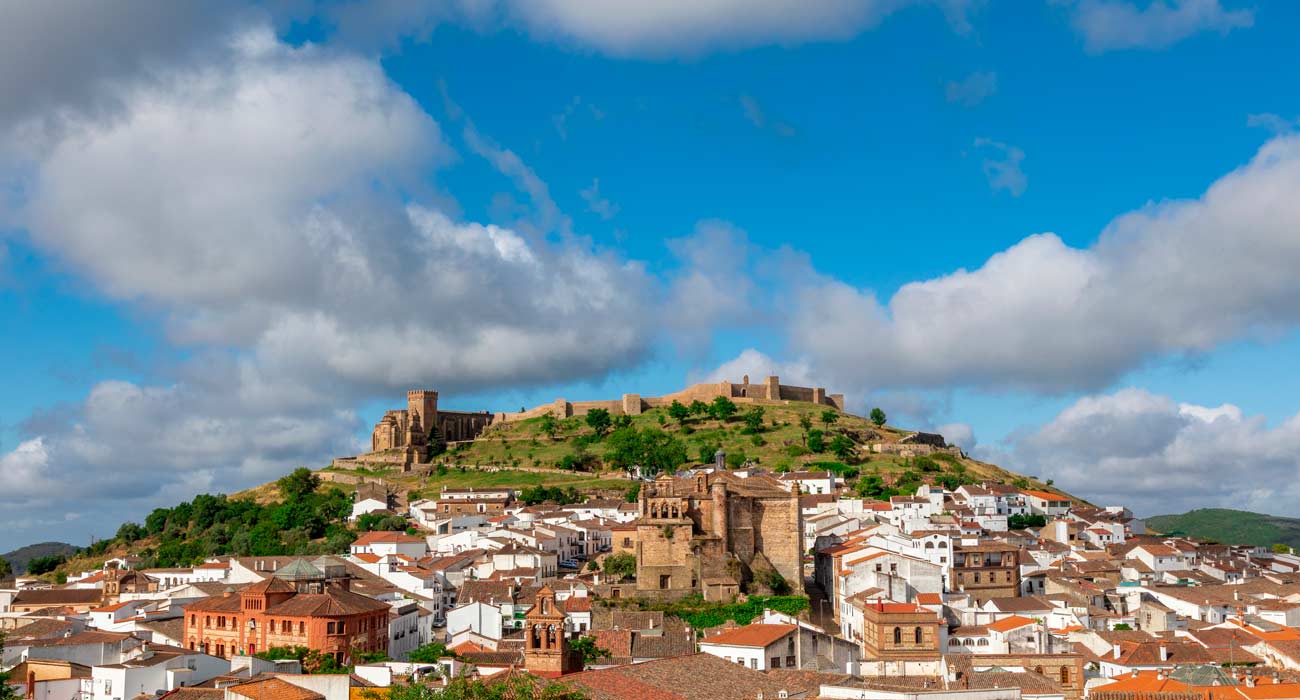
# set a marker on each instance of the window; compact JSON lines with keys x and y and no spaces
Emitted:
{"x":776,"y":662}
{"x":740,"y":661}
{"x":789,"y":662}
{"x":977,"y":577}
{"x":916,"y":635}
{"x":108,"y":686}
{"x":664,"y":580}
{"x":302,"y":627}
{"x":893,"y":568}
{"x":1065,"y":675}
{"x":207,"y":620}
{"x":627,"y":541}
{"x":898,"y":635}
{"x":270,"y":626}
{"x":753,"y":663}
{"x":194,"y":619}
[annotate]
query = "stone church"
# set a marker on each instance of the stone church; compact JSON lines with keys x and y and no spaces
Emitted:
{"x":712,"y":533}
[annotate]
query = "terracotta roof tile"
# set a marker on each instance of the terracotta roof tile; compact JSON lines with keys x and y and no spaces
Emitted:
{"x":757,"y":635}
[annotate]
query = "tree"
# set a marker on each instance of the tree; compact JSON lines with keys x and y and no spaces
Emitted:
{"x":754,"y":420}
{"x":1277,"y":547}
{"x":722,"y":408}
{"x":44,"y":565}
{"x":549,"y":425}
{"x":633,"y":493}
{"x":829,"y":417}
{"x":428,"y":653}
{"x":842,"y":447}
{"x":699,"y":408}
{"x":434,"y":444}
{"x":877,"y":417}
{"x":805,"y":422}
{"x":590,"y":652}
{"x":298,"y":484}
{"x":1020,"y":522}
{"x":816,"y":441}
{"x":598,"y":419}
{"x":679,"y":412}
{"x":620,"y":566}
{"x":6,"y":569}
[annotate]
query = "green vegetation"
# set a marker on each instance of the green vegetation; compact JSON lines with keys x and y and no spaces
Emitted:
{"x":878,"y":417}
{"x":312,"y":661}
{"x":701,"y":614}
{"x":651,"y":448}
{"x":598,"y":420}
{"x":1230,"y":527}
{"x":308,"y":520}
{"x":620,"y":566}
{"x":1020,"y":522}
{"x":18,"y":558}
{"x":44,"y":565}
{"x":542,"y":494}
{"x":590,"y":652}
{"x":429,"y":653}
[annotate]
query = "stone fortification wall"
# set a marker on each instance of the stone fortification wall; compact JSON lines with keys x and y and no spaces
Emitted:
{"x":770,"y":392}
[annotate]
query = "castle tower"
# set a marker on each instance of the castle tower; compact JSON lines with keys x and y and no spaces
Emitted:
{"x":422,"y":408}
{"x":773,"y":388}
{"x":546,"y":648}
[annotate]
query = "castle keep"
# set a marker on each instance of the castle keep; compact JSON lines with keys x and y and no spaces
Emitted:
{"x":407,"y":431}
{"x":711,"y":532}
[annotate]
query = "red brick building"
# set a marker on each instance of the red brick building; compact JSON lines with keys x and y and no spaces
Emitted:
{"x":297,"y":606}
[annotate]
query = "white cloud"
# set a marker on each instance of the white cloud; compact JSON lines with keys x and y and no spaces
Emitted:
{"x":1156,"y":456}
{"x":597,"y":204}
{"x":758,"y":366}
{"x":1003,"y":170}
{"x":693,"y":27}
{"x":1273,"y":122}
{"x":755,"y":115}
{"x":1162,"y":281}
{"x":260,"y":205}
{"x":1111,"y":25}
{"x":973,"y":89}
{"x":959,"y":434}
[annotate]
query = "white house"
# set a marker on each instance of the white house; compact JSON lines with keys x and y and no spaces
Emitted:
{"x":152,"y":671}
{"x":808,"y":482}
{"x":382,"y":543}
{"x":759,"y":647}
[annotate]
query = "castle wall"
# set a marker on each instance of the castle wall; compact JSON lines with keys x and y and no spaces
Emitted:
{"x":459,"y":425}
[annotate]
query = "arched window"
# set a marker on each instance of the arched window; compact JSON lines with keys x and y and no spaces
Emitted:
{"x":983,"y":642}
{"x":968,"y":642}
{"x":916,"y":635}
{"x":929,"y":545}
{"x":1065,"y":675}
{"x":1038,"y":670}
{"x":898,"y":635}
{"x":954,"y":642}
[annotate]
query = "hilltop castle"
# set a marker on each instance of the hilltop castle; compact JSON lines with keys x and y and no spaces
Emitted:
{"x":401,"y":436}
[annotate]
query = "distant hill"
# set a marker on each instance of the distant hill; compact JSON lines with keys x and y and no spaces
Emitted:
{"x":19,"y":557}
{"x":1230,"y":526}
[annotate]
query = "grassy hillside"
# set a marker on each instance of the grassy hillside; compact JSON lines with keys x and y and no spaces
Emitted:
{"x":304,"y":513}
{"x":19,"y":557}
{"x":1230,"y":526}
{"x":569,"y":452}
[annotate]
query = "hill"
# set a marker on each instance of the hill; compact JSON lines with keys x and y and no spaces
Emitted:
{"x":792,"y":436}
{"x":1230,"y":526}
{"x":19,"y":557}
{"x":545,"y":459}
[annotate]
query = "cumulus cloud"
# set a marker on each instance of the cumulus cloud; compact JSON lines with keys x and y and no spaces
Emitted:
{"x":69,"y":56}
{"x":261,"y":204}
{"x":1273,"y":122}
{"x":973,"y":89}
{"x":758,"y":366}
{"x":1002,"y":166}
{"x":692,"y":27}
{"x":1111,"y":25}
{"x":1156,"y":455}
{"x":1171,"y":279}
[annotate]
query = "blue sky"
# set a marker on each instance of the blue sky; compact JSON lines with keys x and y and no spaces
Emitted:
{"x":1063,"y":233}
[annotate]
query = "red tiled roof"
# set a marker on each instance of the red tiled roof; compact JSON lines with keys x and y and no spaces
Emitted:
{"x":758,"y":635}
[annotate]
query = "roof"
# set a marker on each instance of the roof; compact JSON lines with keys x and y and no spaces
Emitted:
{"x":690,"y":677}
{"x":274,"y":689}
{"x":1007,"y":624}
{"x":58,"y":596}
{"x":758,"y":635}
{"x":1044,"y":495}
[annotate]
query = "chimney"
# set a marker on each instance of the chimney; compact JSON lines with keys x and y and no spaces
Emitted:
{"x":1164,"y":652}
{"x":1115,"y":650}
